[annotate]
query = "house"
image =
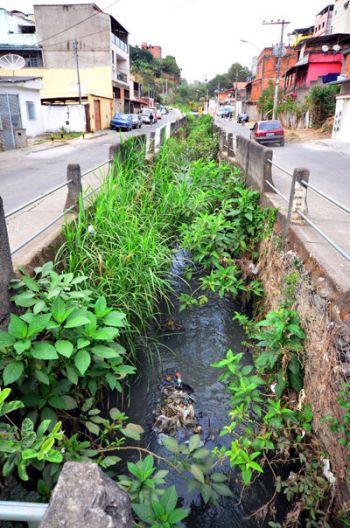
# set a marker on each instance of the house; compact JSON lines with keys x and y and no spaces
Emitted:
{"x":136,"y":101}
{"x":228,"y":96}
{"x":324,"y":21}
{"x":17,"y":35}
{"x":320,"y":61}
{"x":341,"y":17}
{"x":266,"y":73}
{"x":155,"y":51}
{"x":20,"y":110}
{"x":85,"y":60}
{"x":341,"y":127}
{"x":301,"y":33}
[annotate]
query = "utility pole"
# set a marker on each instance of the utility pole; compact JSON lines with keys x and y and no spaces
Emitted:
{"x":75,"y":48}
{"x":283,"y":24}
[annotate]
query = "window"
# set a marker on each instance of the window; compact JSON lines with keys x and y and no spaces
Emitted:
{"x":31,"y":114}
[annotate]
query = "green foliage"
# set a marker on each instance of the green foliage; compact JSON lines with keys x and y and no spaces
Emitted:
{"x":322,"y":101}
{"x":200,"y":464}
{"x":22,"y":446}
{"x":63,"y":343}
{"x":161,"y":513}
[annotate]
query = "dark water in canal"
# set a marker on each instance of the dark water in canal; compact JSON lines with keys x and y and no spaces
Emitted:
{"x":204,"y":336}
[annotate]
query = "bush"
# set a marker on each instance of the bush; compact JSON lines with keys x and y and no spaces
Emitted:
{"x":322,"y":100}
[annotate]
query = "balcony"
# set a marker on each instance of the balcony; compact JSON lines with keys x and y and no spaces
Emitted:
{"x":119,"y":43}
{"x":19,"y":40}
{"x":122,"y":77}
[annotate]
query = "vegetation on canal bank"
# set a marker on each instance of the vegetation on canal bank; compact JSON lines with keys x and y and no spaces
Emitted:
{"x":79,"y":332}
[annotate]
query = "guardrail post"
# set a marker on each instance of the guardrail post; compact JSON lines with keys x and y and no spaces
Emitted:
{"x":150,"y":145}
{"x":157,"y":140}
{"x":6,"y":269}
{"x":297,"y":197}
{"x":113,"y":152}
{"x":74,"y":186}
{"x":230,"y":149}
{"x":267,"y":170}
{"x":221,"y":140}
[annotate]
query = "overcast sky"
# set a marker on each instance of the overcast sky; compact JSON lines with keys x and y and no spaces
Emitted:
{"x":203,"y":35}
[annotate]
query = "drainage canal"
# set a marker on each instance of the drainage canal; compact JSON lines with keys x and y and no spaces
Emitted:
{"x":191,"y":340}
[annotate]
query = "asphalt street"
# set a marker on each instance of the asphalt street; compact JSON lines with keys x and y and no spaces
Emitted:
{"x":329,"y":164}
{"x":25,"y":175}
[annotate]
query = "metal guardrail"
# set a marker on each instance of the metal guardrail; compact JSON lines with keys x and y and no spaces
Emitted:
{"x":302,"y":214}
{"x":31,"y":512}
{"x":297,"y":202}
{"x":37,"y":199}
{"x":57,"y":218}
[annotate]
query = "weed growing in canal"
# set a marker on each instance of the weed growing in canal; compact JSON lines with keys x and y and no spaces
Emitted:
{"x":271,"y":390}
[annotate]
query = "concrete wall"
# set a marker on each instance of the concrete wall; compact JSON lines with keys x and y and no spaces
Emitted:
{"x":341,"y":129}
{"x":93,"y":35}
{"x":253,"y":160}
{"x":71,"y":117}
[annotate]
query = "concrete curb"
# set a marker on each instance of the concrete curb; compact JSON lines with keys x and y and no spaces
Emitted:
{"x":49,"y":147}
{"x":95,"y":136}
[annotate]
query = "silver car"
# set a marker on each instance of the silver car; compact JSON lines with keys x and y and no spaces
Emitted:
{"x":136,"y":120}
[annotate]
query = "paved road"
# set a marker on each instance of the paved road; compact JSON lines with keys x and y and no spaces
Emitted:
{"x":329,"y":165}
{"x":25,"y":175}
{"x":328,"y":162}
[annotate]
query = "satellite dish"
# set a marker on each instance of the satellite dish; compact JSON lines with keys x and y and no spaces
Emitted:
{"x":12,"y":62}
{"x":325,"y":48}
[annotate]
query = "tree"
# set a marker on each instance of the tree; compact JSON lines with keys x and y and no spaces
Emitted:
{"x":236,"y":69}
{"x":322,"y":100}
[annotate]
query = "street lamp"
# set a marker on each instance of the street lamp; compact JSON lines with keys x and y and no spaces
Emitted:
{"x":251,"y":43}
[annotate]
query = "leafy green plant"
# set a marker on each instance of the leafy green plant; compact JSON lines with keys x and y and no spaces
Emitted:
{"x":280,"y":341}
{"x":22,"y":446}
{"x":196,"y":460}
{"x":161,"y":513}
{"x":63,"y":339}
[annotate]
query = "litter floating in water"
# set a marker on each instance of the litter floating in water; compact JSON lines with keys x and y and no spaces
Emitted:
{"x":175,"y":410}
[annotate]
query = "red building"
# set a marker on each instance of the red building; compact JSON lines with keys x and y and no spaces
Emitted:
{"x":319,"y":62}
{"x":155,"y":51}
{"x":266,"y":72}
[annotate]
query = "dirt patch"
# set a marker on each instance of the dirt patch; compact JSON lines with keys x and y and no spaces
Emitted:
{"x":326,"y":361}
{"x":303,"y":135}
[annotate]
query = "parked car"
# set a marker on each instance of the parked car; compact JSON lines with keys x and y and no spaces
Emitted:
{"x":147,"y":116}
{"x":121,"y":121}
{"x":136,"y":120}
{"x":242,"y":118}
{"x":220,"y":111}
{"x":268,"y":132}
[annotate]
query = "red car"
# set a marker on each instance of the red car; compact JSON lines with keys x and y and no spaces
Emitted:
{"x":268,"y":132}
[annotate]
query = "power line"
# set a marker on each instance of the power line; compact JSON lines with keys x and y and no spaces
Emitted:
{"x":78,"y":38}
{"x":77,"y":23}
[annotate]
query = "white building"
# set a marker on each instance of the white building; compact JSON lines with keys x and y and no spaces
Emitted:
{"x":341,"y":128}
{"x":20,"y":110}
{"x":341,"y":17}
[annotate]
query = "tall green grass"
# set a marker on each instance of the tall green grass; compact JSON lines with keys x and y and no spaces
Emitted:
{"x":127,"y":251}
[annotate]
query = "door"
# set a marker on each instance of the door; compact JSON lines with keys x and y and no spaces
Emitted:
{"x":97,"y":114}
{"x":87,"y":118}
{"x":10,"y":119}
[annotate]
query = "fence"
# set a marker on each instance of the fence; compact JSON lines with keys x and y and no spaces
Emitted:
{"x":257,"y":162}
{"x":150,"y":142}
